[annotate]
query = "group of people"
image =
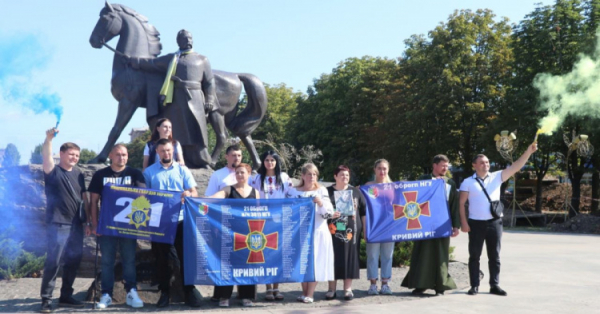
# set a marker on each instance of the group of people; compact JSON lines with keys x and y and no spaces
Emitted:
{"x":336,"y":236}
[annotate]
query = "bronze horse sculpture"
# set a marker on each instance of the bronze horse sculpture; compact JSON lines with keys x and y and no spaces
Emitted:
{"x":133,"y":88}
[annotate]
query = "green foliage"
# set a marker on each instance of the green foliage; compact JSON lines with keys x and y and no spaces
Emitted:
{"x":135,"y":150}
{"x":85,"y":155}
{"x":11,"y":156}
{"x":36,"y":155}
{"x":281,"y":109}
{"x":16,"y":262}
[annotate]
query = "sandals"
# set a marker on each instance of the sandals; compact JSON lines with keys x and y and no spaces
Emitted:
{"x":277,"y":295}
{"x":247,"y":302}
{"x":308,"y":300}
{"x":269,"y":296}
{"x":224,"y":303}
{"x":348,"y":295}
{"x":330,"y":295}
{"x":300,"y":298}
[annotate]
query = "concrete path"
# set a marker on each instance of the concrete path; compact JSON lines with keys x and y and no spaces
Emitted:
{"x":542,"y":273}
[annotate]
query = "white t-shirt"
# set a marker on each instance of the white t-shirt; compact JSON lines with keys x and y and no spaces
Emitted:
{"x":220,"y":179}
{"x":271,"y":189}
{"x":479,"y":205}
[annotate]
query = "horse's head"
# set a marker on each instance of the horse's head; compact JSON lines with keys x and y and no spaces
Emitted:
{"x":107,"y":27}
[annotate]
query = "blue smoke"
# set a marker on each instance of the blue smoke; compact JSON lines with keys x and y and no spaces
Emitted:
{"x":20,"y":56}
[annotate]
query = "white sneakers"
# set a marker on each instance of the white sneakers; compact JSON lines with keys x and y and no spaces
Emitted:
{"x":105,"y":301}
{"x":133,"y":299}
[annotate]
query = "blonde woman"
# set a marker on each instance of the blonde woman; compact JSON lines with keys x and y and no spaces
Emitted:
{"x":377,"y":251}
{"x":323,"y":247}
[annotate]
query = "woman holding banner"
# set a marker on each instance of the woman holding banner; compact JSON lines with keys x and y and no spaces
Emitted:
{"x":323,"y":248}
{"x":163,"y":129}
{"x":239,"y":190}
{"x":345,"y":231}
{"x":375,"y":251}
{"x":271,"y":183}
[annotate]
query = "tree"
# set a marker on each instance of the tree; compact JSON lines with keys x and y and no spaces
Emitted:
{"x":36,"y":155}
{"x":11,"y":156}
{"x":85,"y":155}
{"x":281,"y":109}
{"x":135,"y":150}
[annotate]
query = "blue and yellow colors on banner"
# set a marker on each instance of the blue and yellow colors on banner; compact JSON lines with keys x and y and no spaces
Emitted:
{"x":407,"y":211}
{"x":139,"y":213}
{"x":248,"y":241}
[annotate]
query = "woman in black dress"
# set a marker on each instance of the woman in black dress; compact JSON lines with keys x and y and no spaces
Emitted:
{"x":345,"y":227}
{"x":239,"y":190}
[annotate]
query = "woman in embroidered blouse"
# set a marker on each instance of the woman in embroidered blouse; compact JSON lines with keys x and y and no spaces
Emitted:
{"x":323,"y":247}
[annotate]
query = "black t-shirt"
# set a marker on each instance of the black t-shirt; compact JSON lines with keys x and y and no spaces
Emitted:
{"x":62,"y":204}
{"x":129,"y":176}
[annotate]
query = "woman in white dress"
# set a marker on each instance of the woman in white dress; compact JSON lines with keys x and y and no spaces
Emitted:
{"x":323,"y":246}
{"x":271,"y":183}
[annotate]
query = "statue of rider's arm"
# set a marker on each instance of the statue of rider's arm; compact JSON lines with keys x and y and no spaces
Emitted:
{"x":208,"y":86}
{"x":159,"y":64}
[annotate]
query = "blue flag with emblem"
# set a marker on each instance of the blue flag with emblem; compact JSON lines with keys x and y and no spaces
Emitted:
{"x":407,"y":211}
{"x":247,"y":241}
{"x":139,"y":213}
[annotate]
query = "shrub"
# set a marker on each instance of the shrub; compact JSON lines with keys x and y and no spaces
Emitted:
{"x":16,"y":262}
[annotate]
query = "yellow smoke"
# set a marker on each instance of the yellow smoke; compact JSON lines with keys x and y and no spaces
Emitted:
{"x":576,"y":93}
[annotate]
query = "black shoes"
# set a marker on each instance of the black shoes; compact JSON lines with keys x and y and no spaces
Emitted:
{"x":193,"y":298}
{"x":70,"y":302}
{"x":330,"y":296}
{"x":46,"y":306}
{"x":439,"y":293}
{"x":163,"y":301}
{"x":473,"y":291}
{"x":418,"y":292}
{"x":498,"y":291}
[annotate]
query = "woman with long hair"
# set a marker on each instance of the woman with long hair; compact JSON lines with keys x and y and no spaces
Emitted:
{"x":162,"y":129}
{"x":345,"y":231}
{"x":272,"y":183}
{"x":240,"y":190}
{"x":383,"y":251}
{"x":323,"y":249}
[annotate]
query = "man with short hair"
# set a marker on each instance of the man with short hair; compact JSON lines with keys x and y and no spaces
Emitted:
{"x":65,"y":191}
{"x":225,"y":176}
{"x":429,"y":260}
{"x":481,"y":224}
{"x":170,"y":176}
{"x":117,"y":173}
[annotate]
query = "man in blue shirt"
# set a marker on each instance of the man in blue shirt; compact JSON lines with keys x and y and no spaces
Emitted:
{"x":170,"y":176}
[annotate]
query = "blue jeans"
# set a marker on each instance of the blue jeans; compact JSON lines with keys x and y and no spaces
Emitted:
{"x":374,"y":252}
{"x":108,"y":248}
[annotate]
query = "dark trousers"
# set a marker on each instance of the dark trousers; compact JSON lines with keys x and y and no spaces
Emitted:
{"x":244,"y":292}
{"x":490,"y":232}
{"x":163,"y":252}
{"x":65,"y":248}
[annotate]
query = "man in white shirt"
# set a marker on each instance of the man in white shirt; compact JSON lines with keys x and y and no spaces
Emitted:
{"x":226,"y":175}
{"x":481,"y":225}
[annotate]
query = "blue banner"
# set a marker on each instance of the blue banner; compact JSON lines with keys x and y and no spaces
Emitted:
{"x":139,"y":213}
{"x":407,"y":211}
{"x":247,"y":241}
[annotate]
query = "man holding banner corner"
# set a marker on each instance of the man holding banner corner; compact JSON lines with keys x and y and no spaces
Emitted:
{"x":117,"y":173}
{"x":170,"y":176}
{"x":484,"y":224}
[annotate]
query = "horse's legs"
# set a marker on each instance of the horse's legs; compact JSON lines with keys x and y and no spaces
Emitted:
{"x":218,"y":124}
{"x":124,"y":114}
{"x":247,"y":140}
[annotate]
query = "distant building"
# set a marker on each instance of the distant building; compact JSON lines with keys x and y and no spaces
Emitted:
{"x":56,"y":158}
{"x":137,"y":132}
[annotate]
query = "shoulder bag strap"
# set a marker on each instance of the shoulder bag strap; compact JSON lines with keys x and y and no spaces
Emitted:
{"x":484,"y":191}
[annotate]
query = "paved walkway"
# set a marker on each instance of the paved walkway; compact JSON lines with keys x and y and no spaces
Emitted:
{"x":542,"y":273}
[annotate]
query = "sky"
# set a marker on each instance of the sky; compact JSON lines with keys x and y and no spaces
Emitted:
{"x":48,"y":68}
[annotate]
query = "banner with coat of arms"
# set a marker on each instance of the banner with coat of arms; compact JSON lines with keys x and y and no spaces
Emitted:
{"x":407,"y":211}
{"x":248,"y":241}
{"x":139,"y":213}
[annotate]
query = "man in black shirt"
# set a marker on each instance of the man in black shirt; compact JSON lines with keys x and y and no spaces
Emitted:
{"x":65,"y":191}
{"x":118,"y":173}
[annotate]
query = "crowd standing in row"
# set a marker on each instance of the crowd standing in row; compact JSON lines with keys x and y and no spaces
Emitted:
{"x":336,"y":236}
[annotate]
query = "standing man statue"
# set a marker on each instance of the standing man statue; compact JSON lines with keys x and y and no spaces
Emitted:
{"x":481,"y":224}
{"x":187,"y":95}
{"x":429,"y":260}
{"x":65,"y":190}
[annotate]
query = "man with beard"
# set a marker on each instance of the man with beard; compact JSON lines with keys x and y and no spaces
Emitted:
{"x":117,"y":173}
{"x":429,"y":260}
{"x":65,"y":191}
{"x":170,"y":176}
